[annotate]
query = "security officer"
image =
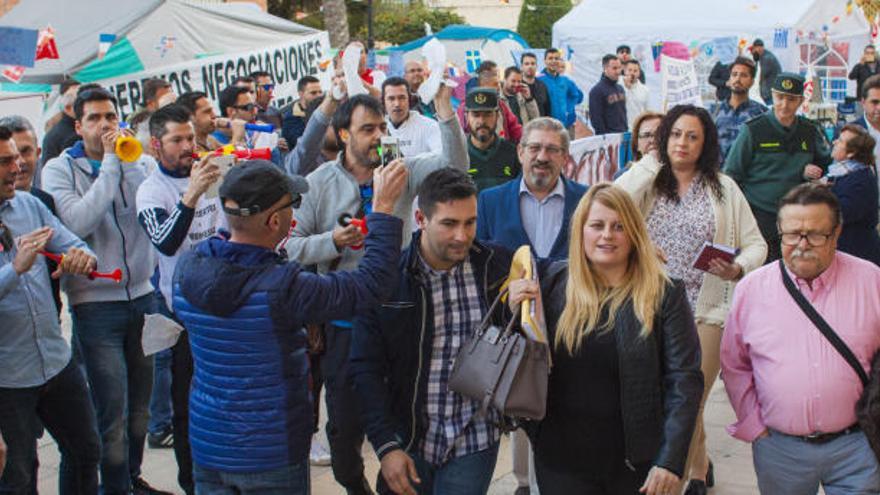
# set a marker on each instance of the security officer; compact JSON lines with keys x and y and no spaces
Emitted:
{"x":775,"y":152}
{"x":493,"y":159}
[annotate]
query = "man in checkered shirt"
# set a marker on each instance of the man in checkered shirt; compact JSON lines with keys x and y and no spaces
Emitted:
{"x":430,"y":439}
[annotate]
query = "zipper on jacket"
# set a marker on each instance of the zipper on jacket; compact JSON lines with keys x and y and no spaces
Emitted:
{"x":412,"y":433}
{"x":626,"y":460}
{"x":124,"y":252}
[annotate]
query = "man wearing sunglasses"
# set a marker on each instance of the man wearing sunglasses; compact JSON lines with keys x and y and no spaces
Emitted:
{"x":266,"y":112}
{"x":238,"y":104}
{"x":244,"y":307}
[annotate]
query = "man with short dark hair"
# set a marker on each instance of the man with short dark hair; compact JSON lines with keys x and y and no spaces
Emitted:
{"x":793,"y":392}
{"x":528,"y":62}
{"x":428,"y":438}
{"x":343,"y":186}
{"x":493,"y":159}
{"x":637,"y":95}
{"x":203,"y":117}
{"x":176,"y":215}
{"x":774,"y":152}
{"x":608,"y":99}
{"x":244,"y":307}
{"x":157,"y":92}
{"x":95,"y":196}
{"x":417,"y":133}
{"x":770,"y":69}
{"x":41,"y":383}
{"x":238,"y":107}
{"x":730,"y":115}
{"x":563,"y":92}
{"x":266,"y":112}
{"x":63,"y":134}
{"x":624,"y":53}
{"x":518,"y":96}
{"x":868,"y":66}
{"x":870,"y":120}
{"x":294,"y":123}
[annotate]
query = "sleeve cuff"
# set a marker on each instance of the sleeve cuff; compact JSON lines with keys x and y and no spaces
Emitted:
{"x":747,"y":429}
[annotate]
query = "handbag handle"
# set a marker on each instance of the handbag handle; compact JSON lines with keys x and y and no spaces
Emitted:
{"x":823,"y":326}
{"x":488,"y":318}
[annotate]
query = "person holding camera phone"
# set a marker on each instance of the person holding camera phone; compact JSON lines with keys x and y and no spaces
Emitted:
{"x":867,"y":67}
{"x":519,"y":96}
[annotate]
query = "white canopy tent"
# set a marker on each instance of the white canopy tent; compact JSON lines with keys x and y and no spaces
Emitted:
{"x":596,"y":27}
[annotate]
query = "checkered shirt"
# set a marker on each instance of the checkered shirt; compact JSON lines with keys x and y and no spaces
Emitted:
{"x":455,"y":426}
{"x":729,"y":122}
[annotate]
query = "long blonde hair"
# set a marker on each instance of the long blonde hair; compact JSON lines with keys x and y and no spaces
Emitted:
{"x":586,"y":296}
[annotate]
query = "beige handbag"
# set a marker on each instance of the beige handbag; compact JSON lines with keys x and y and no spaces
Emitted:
{"x":501,"y":368}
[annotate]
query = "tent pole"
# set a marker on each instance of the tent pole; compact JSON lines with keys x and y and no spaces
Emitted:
{"x":370,"y":41}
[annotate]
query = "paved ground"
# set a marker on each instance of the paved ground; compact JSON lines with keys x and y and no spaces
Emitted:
{"x":733,"y":461}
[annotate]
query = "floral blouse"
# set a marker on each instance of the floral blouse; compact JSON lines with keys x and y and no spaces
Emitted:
{"x":680,"y":229}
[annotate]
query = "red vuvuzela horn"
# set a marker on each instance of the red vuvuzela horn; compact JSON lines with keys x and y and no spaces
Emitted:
{"x":115,"y":275}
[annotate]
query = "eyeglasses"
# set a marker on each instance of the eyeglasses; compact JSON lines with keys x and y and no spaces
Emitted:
{"x":646,"y":135}
{"x":813,"y":238}
{"x":534,"y":149}
{"x":247,"y":107}
{"x":267,"y":87}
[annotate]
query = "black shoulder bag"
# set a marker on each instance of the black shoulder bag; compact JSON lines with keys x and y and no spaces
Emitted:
{"x":868,"y":405}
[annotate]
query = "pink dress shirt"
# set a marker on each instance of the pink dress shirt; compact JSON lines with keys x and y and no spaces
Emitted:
{"x":780,"y":372}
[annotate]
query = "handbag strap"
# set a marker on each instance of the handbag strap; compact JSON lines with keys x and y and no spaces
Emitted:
{"x":488,"y":318}
{"x":823,"y":325}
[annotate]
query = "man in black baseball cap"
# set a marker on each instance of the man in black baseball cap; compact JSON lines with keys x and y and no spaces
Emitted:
{"x":770,"y":68}
{"x":493,"y":159}
{"x":245,"y":306}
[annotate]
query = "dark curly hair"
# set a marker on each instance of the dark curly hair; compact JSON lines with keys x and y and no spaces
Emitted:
{"x":665,"y":184}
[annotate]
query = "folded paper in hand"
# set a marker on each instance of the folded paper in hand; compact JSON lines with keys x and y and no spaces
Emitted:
{"x":711,"y":251}
{"x":160,"y":333}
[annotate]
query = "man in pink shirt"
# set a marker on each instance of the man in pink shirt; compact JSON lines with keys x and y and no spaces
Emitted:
{"x":793,"y":393}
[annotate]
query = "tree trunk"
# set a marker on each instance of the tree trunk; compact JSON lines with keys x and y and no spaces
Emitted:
{"x":336,"y":22}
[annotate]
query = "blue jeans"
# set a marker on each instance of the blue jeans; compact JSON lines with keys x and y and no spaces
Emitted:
{"x":788,"y":465}
{"x":288,"y":480}
{"x":160,"y":401}
{"x":63,"y":407}
{"x":466,"y":475}
{"x":121,"y":379}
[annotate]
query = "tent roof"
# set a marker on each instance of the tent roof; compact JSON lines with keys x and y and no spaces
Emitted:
{"x":464,"y":32}
{"x":689,"y":18}
{"x":78,"y":24}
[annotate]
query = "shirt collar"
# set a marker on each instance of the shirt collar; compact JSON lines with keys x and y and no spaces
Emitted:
{"x":558,"y":190}
{"x":430,"y":272}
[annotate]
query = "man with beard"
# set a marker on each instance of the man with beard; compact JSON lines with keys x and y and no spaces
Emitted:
{"x":417,"y":133}
{"x":293,"y":125}
{"x":731,"y":114}
{"x":176,"y":215}
{"x":344,"y":186}
{"x":534,"y":209}
{"x":770,"y":69}
{"x":528,"y":62}
{"x":204,"y":119}
{"x":493,"y":160}
{"x":608,"y":99}
{"x":775,"y":152}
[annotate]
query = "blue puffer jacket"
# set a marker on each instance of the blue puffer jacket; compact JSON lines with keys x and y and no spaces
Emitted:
{"x":244,"y":308}
{"x":564,"y":97}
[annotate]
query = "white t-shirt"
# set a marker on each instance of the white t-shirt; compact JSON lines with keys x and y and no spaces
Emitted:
{"x":159,"y":192}
{"x":418,"y":134}
{"x":636,"y":102}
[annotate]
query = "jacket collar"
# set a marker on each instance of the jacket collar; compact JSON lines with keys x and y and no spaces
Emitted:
{"x":479,"y":255}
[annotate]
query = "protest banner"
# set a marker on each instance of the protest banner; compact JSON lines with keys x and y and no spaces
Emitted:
{"x":287,"y":62}
{"x":679,"y":83}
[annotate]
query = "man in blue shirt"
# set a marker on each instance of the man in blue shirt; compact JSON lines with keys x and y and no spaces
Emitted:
{"x":39,"y":380}
{"x":732,"y":113}
{"x":564,"y":93}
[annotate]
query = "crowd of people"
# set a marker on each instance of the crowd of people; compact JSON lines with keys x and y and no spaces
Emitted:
{"x":333,"y":264}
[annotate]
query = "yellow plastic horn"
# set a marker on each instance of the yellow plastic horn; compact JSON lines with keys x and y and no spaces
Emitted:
{"x":128,"y":149}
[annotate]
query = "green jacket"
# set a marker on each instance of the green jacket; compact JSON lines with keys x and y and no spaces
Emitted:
{"x":494,"y":166}
{"x":767,"y":160}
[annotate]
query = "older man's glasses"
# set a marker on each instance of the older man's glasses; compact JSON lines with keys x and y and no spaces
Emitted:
{"x":534,"y":149}
{"x":813,"y":238}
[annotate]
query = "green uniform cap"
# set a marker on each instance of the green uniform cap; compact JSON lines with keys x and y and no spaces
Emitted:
{"x":479,"y":99}
{"x":789,"y":83}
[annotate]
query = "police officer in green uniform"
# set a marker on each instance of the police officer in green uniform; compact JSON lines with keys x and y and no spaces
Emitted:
{"x":493,"y":159}
{"x":775,"y":152}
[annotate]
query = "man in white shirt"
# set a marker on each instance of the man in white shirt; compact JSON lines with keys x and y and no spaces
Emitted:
{"x":417,"y":134}
{"x":636,"y":92}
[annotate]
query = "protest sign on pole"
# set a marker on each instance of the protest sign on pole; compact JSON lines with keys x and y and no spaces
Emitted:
{"x":287,"y":62}
{"x":679,"y":83}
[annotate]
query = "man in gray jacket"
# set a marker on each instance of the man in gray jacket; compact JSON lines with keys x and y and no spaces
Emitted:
{"x":94,"y":194}
{"x":342,"y":186}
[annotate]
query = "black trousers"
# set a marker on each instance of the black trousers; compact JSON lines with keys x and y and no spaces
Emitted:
{"x":181,"y":377}
{"x":344,"y":431}
{"x":553,"y":480}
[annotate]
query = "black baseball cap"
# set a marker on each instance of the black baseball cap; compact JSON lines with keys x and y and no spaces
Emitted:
{"x":758,"y":42}
{"x":256,"y":185}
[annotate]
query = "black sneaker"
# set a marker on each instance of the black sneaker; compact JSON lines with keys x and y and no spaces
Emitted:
{"x":140,"y":487}
{"x":162,"y":440}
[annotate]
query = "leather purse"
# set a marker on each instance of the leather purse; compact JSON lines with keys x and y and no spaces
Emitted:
{"x":503,"y":369}
{"x":868,"y":405}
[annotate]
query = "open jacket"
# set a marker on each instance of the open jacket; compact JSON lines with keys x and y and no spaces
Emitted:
{"x":392,"y":344}
{"x":735,"y":226}
{"x":660,"y":379}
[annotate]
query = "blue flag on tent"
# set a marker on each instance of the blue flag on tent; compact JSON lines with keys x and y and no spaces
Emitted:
{"x":474,"y":59}
{"x":780,"y":38}
{"x":18,"y":46}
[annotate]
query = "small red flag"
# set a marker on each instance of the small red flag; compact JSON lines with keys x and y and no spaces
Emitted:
{"x":14,"y":73}
{"x":46,"y":46}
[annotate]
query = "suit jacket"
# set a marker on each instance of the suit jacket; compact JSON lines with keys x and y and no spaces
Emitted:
{"x":499,"y":220}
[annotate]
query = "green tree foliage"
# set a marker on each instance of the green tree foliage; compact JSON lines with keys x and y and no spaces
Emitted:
{"x":398,"y":24}
{"x":536,"y":20}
